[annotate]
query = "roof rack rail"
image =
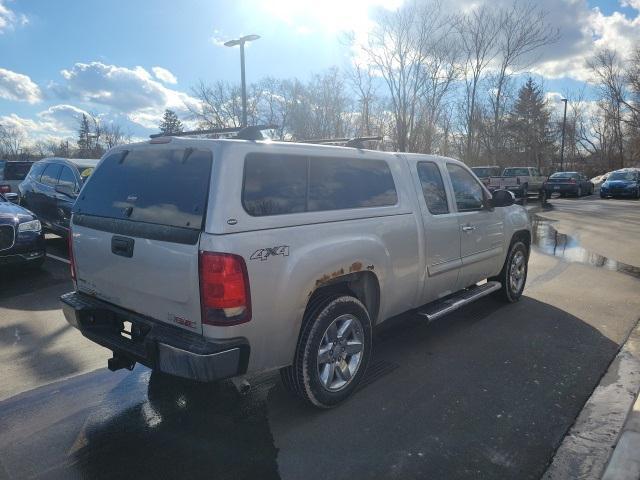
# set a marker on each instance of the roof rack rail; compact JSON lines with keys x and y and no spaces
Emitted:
{"x":354,"y":142}
{"x":252,"y":132}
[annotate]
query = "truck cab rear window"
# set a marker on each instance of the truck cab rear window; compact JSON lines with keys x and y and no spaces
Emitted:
{"x":152,"y":185}
{"x":278,"y":184}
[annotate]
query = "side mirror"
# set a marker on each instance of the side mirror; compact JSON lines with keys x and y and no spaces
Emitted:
{"x":66,"y":190}
{"x":12,"y":197}
{"x":503,"y":198}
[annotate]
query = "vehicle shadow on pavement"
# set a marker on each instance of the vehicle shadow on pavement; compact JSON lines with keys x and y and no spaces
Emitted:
{"x":487,"y":392}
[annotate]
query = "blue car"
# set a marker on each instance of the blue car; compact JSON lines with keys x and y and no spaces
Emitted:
{"x":622,"y":183}
{"x":21,"y":236}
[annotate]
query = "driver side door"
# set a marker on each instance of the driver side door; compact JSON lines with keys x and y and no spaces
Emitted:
{"x":481,"y":228}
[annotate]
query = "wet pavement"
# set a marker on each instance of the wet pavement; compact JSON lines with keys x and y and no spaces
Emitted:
{"x":551,"y":242}
{"x":487,"y":392}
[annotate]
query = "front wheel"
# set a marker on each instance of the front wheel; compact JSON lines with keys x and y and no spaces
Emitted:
{"x":513,"y":275}
{"x":333,"y":352}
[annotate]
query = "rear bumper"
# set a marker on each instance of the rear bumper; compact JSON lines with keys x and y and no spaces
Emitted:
{"x":161,"y":347}
{"x":562,"y":188}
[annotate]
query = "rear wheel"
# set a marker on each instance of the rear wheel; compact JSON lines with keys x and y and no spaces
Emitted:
{"x":333,"y":352}
{"x":513,"y":275}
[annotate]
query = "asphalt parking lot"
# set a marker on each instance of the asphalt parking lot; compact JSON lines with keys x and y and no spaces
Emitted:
{"x":487,"y":392}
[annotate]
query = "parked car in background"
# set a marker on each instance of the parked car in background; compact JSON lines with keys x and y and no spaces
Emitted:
{"x":51,"y":188}
{"x":12,"y":173}
{"x":484,"y":173}
{"x":520,"y":180}
{"x":569,"y":183}
{"x":280,"y":255}
{"x":622,"y":183}
{"x":21,"y":237}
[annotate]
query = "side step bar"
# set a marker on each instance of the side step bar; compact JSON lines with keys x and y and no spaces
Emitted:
{"x":453,"y":302}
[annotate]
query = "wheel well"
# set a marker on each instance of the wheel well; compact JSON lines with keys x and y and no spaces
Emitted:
{"x":524,"y":236}
{"x":362,"y":285}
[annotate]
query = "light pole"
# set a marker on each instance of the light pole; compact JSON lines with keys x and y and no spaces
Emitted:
{"x":564,"y":123}
{"x":232,"y":43}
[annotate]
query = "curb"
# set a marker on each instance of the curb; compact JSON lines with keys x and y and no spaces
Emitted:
{"x":624,"y":464}
{"x":588,"y":447}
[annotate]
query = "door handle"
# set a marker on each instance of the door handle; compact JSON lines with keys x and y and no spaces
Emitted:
{"x":468,"y":228}
{"x":122,"y":246}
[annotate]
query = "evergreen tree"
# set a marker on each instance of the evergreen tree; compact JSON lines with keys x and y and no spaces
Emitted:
{"x":84,"y":137}
{"x":170,"y":123}
{"x":530,"y":127}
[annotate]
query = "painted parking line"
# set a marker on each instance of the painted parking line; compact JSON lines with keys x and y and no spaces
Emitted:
{"x":60,"y":259}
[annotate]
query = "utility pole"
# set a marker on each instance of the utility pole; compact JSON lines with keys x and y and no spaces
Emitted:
{"x":564,"y":123}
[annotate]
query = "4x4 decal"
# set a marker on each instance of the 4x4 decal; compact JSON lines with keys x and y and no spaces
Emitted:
{"x":264,"y":253}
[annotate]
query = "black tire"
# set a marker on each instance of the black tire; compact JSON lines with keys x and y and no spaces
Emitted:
{"x":507,"y":293}
{"x":303,"y":378}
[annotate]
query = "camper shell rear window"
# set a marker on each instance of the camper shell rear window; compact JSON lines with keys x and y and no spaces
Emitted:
{"x":151,"y":185}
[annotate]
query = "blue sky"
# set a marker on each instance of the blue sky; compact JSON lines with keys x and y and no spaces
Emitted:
{"x":59,"y":58}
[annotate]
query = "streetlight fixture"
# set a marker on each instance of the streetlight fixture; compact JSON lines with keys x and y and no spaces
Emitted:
{"x":564,"y":123}
{"x":232,"y":43}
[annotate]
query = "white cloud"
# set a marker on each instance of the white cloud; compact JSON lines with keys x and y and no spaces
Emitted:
{"x":9,"y":19}
{"x":61,"y":118}
{"x":133,"y":92}
{"x":164,"y":75}
{"x":18,"y":87}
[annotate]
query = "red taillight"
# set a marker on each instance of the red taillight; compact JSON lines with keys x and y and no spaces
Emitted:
{"x":224,"y":289}
{"x":5,"y":188}
{"x":572,"y":180}
{"x":72,"y":262}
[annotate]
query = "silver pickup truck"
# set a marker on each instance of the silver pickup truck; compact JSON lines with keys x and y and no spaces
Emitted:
{"x":209,"y":259}
{"x":522,"y":181}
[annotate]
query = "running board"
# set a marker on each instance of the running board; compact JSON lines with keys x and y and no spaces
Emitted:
{"x":447,"y":305}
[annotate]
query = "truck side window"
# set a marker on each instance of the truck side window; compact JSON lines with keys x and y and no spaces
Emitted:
{"x":469,"y":193}
{"x":433,"y":188}
{"x":274,"y":184}
{"x":342,"y":183}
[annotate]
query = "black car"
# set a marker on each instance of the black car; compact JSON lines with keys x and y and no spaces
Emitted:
{"x":51,"y":189}
{"x":21,"y":236}
{"x":568,"y":183}
{"x":622,"y":183}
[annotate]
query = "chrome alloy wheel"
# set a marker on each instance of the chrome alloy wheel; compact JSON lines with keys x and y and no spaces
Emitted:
{"x":517,"y":271}
{"x":340,"y":352}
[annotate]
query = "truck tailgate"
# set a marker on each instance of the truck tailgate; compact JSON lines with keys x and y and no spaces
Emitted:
{"x":159,"y":279}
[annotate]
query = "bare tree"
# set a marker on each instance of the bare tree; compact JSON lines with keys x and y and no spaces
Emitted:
{"x":398,"y":48}
{"x":522,"y":30}
{"x":610,"y":78}
{"x":113,"y":135}
{"x":478,"y":31}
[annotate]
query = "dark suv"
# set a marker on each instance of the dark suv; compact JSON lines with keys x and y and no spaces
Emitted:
{"x":51,"y":188}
